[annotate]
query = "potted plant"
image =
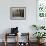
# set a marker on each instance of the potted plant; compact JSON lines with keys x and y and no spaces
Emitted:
{"x":39,"y":35}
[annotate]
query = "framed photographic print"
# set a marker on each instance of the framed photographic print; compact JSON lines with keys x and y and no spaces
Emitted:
{"x":17,"y":13}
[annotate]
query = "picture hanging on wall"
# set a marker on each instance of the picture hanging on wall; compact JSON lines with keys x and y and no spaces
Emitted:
{"x":17,"y":13}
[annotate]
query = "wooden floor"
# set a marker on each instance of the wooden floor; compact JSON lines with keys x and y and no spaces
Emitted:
{"x":13,"y":44}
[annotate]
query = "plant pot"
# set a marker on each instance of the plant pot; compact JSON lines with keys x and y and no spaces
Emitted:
{"x":40,"y":40}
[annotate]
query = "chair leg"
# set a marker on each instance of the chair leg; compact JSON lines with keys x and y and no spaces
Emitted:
{"x":5,"y":43}
{"x":5,"y":40}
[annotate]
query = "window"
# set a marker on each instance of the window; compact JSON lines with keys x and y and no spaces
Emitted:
{"x":41,"y":8}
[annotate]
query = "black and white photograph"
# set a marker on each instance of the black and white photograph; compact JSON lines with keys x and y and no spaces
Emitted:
{"x":17,"y":13}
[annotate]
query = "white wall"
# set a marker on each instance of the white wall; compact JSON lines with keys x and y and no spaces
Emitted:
{"x":24,"y":25}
